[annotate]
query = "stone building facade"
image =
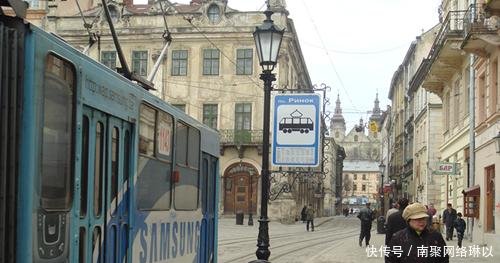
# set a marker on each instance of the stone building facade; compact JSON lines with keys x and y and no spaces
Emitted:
{"x":361,"y":147}
{"x":210,"y":71}
{"x":456,"y":97}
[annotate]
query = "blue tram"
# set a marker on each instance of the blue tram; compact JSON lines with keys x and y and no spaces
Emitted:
{"x":93,"y":167}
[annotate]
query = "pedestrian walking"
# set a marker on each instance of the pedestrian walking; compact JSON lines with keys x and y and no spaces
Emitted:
{"x":460,"y":227}
{"x":366,"y":216}
{"x":303,"y":214}
{"x":395,"y":221}
{"x":409,"y":244}
{"x":449,"y":217}
{"x":394,"y":209}
{"x":310,"y":217}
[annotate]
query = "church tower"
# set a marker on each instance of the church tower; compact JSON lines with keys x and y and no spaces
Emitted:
{"x":375,"y":117}
{"x":337,"y":123}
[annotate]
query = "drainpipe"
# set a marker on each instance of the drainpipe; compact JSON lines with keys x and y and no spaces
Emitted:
{"x":472,"y":121}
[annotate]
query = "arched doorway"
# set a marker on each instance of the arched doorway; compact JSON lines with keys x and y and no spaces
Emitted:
{"x":241,"y":181}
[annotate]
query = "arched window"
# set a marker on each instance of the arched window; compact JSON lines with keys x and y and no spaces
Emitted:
{"x":213,"y":13}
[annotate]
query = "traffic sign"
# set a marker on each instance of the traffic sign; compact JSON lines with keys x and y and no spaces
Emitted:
{"x":296,"y":130}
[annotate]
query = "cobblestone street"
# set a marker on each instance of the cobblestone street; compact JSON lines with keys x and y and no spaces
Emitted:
{"x":335,"y":239}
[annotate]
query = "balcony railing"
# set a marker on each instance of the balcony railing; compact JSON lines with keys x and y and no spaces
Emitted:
{"x":476,"y":22}
{"x":240,"y":137}
{"x":452,"y":26}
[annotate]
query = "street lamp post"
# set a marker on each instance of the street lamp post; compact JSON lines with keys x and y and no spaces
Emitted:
{"x":250,"y":217}
{"x":381,"y":168}
{"x":267,"y":42}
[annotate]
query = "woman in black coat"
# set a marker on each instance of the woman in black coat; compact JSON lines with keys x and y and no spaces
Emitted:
{"x":417,"y":243}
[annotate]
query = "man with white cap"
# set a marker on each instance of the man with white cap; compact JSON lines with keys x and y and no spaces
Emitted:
{"x":417,"y":243}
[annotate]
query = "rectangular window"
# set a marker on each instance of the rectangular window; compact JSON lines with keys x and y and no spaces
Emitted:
{"x":165,"y":135}
{"x":243,"y":123}
{"x":492,"y":93}
{"x":187,"y":167}
{"x":244,"y":58}
{"x":85,"y":164}
{"x":57,"y":134}
{"x":456,"y":102}
{"x":155,"y":159}
{"x":211,"y":62}
{"x":467,"y":90}
{"x":115,"y":151}
{"x":98,"y":168}
{"x":108,"y":58}
{"x":355,"y":187}
{"x":140,"y":62}
{"x":179,"y":62}
{"x":210,"y":115}
{"x":363,"y":187}
{"x":243,"y":116}
{"x":482,"y":106}
{"x":447,"y":110}
{"x":147,"y":130}
{"x":181,"y":107}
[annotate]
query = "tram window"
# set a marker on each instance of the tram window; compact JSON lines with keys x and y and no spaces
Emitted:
{"x":96,"y":245}
{"x":85,"y":164}
{"x":187,"y":163}
{"x":194,"y":148}
{"x":57,"y":134}
{"x":153,"y":180}
{"x":147,"y":130}
{"x":115,"y":144}
{"x":81,"y":246}
{"x":126,"y":168}
{"x":98,"y":162}
{"x":164,"y":136}
{"x":181,"y":145}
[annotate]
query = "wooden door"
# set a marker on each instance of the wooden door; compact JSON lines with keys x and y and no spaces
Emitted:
{"x":240,"y":186}
{"x":241,"y":194}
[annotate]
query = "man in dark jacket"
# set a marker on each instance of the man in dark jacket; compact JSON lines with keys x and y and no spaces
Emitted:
{"x":366,"y":216}
{"x":417,"y":243}
{"x":449,"y":217}
{"x":395,"y":221}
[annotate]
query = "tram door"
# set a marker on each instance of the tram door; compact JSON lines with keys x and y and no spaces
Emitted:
{"x":104,"y":188}
{"x":208,"y":195}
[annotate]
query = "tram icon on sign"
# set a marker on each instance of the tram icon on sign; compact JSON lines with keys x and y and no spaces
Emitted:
{"x":296,"y":123}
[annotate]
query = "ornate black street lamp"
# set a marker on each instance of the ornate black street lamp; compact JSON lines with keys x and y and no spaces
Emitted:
{"x":250,"y":179}
{"x":267,"y":42}
{"x":381,"y":168}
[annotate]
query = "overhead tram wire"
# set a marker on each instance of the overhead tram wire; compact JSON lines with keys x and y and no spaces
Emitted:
{"x":215,"y":46}
{"x":220,"y":90}
{"x":201,"y":108}
{"x":376,"y":52}
{"x":92,"y":36}
{"x":328,"y":54}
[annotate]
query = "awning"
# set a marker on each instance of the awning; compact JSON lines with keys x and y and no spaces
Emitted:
{"x":472,"y":191}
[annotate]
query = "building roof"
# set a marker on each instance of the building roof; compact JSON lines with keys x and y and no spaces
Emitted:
{"x":360,"y":166}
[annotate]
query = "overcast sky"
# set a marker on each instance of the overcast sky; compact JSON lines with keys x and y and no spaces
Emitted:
{"x":354,"y":46}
